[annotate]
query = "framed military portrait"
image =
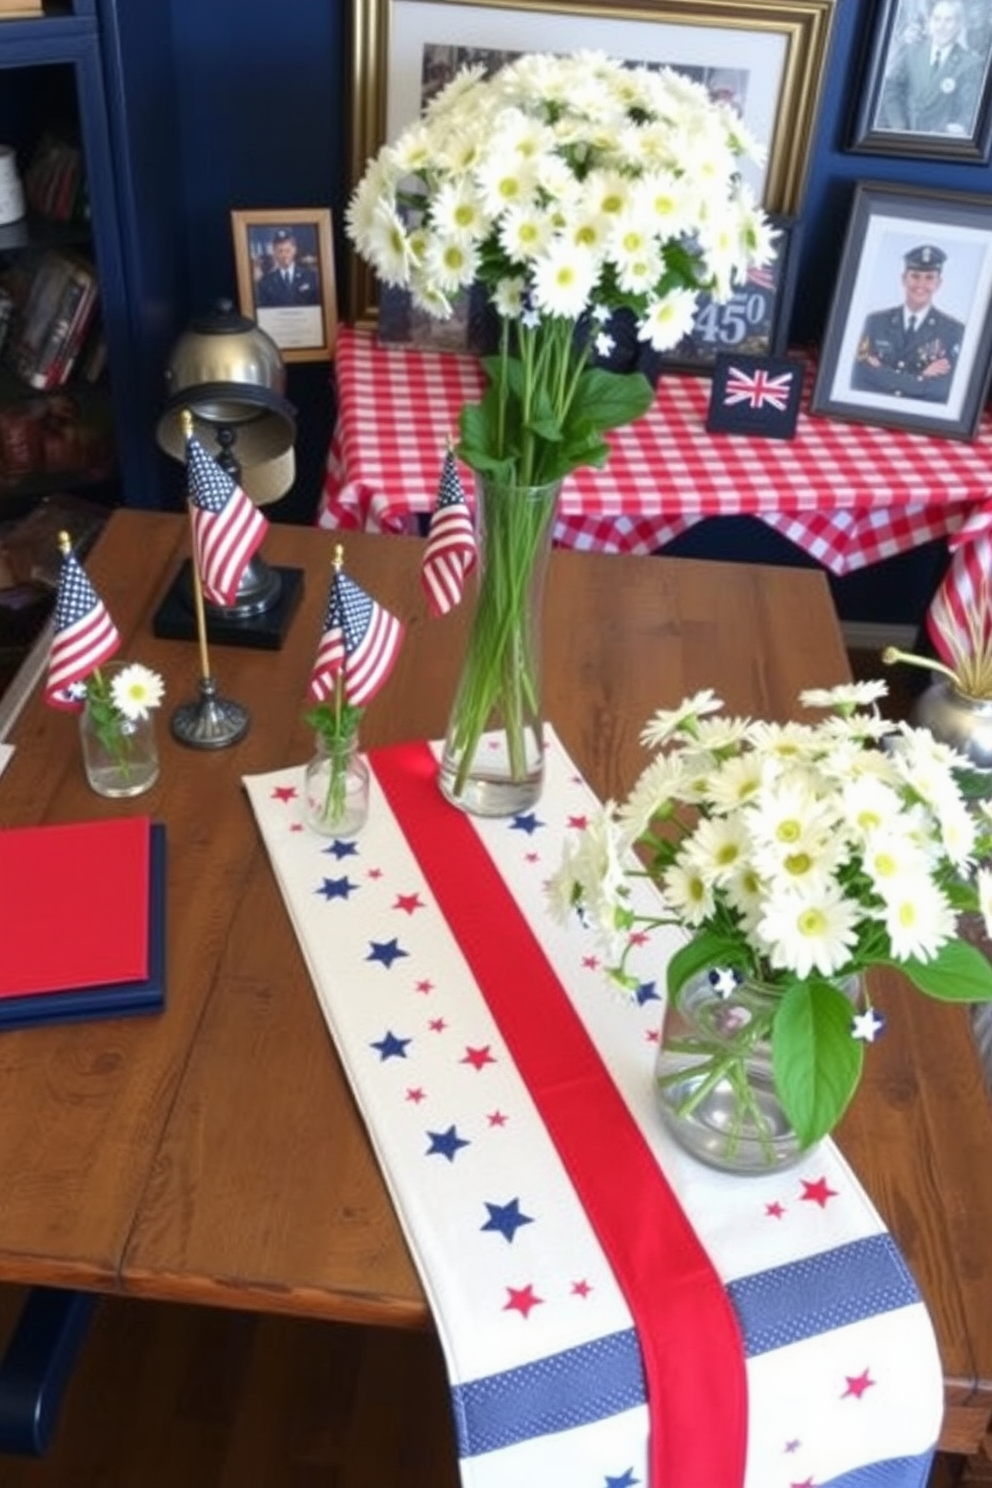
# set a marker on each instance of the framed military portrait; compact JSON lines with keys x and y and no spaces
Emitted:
{"x":909,"y":333}
{"x":927,"y":89}
{"x":285,"y":270}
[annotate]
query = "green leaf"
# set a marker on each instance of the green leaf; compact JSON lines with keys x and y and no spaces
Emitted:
{"x":815,"y":1061}
{"x":706,"y":949}
{"x":958,"y":973}
{"x":606,"y":400}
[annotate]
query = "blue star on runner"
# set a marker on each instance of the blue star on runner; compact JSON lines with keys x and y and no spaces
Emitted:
{"x":625,"y":1480}
{"x":526,"y":822}
{"x":336,"y":888}
{"x":445,"y":1144}
{"x":341,"y":849}
{"x":386,"y":951}
{"x":391,"y":1047}
{"x":646,"y":992}
{"x":506,"y":1219}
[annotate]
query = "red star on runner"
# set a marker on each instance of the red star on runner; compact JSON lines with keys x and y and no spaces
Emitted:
{"x":532,"y":857}
{"x":496,"y":1119}
{"x":638,"y":938}
{"x":522,"y":1299}
{"x":581,"y":1289}
{"x":284,"y":793}
{"x":296,"y":826}
{"x":591,"y":963}
{"x":857,"y":1385}
{"x":415,"y":1094}
{"x":775,"y":1210}
{"x":818,"y":1192}
{"x":578,"y":822}
{"x":437,"y":1025}
{"x":423,"y":986}
{"x":477,"y":1058}
{"x":409,"y":903}
{"x":375,"y":873}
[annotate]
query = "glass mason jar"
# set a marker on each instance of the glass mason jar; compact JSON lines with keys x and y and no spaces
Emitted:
{"x":713,"y":1077}
{"x":120,"y":755}
{"x":336,"y":787}
{"x":493,"y":761}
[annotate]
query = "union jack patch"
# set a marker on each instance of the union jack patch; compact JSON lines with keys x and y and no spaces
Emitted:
{"x":755,"y":395}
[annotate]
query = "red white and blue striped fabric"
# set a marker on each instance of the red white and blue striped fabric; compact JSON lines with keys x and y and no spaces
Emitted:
{"x":613,"y":1314}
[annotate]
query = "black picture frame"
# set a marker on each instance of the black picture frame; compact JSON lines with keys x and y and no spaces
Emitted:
{"x":934,"y":380}
{"x":905,"y":107}
{"x":753,"y":322}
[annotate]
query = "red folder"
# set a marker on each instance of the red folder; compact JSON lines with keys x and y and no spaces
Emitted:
{"x":74,"y":905}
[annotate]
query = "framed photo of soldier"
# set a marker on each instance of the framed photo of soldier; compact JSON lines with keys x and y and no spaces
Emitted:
{"x":927,"y":89}
{"x":285,"y":270}
{"x":908,"y":340}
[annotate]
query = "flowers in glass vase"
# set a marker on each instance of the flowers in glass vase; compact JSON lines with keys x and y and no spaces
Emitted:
{"x":793,"y":857}
{"x":118,"y":700}
{"x":568,"y":187}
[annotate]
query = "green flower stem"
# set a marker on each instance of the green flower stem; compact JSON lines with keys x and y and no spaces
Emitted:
{"x":107,"y":723}
{"x":501,"y":671}
{"x":336,"y":725}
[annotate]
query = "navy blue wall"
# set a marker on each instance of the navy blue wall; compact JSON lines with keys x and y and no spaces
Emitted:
{"x":264,"y":124}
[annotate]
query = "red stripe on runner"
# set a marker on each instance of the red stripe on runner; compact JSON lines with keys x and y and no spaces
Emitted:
{"x":689,"y":1336}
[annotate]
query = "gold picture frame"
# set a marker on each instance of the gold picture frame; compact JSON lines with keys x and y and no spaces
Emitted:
{"x":782,"y":42}
{"x":301,"y":314}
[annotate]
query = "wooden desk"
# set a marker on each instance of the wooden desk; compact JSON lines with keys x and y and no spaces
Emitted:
{"x":214,"y":1154}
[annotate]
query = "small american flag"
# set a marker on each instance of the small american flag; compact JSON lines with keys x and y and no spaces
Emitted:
{"x":758,"y":388}
{"x":85,"y":637}
{"x":959,"y":620}
{"x":227,"y":528}
{"x":360,"y":642}
{"x":451,"y":553}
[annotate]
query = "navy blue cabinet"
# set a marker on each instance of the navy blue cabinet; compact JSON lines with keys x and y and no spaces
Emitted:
{"x":105,"y":70}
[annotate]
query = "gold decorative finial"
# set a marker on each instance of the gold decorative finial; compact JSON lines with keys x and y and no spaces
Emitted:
{"x":338,"y":557}
{"x":65,"y":544}
{"x":187,"y":422}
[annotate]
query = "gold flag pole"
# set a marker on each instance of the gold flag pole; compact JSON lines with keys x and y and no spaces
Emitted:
{"x":201,"y":614}
{"x":211,"y":722}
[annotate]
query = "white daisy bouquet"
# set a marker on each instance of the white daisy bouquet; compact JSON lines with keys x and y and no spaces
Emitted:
{"x":795,"y":857}
{"x":116,"y":705}
{"x":568,"y":187}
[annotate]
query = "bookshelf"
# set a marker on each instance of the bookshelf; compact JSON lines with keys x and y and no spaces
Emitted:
{"x":101,"y":237}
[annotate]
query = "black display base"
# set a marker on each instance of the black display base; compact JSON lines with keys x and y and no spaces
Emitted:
{"x":175,"y":618}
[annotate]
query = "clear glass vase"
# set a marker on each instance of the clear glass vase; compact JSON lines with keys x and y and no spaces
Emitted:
{"x":336,"y":787}
{"x":120,"y":755}
{"x":713,"y":1076}
{"x":493,"y":761}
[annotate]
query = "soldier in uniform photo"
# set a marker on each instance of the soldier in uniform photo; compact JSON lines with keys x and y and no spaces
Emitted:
{"x":934,"y":83}
{"x":287,"y":282}
{"x":911,"y":350}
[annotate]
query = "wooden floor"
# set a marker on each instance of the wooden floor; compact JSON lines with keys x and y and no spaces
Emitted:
{"x":181,"y":1397}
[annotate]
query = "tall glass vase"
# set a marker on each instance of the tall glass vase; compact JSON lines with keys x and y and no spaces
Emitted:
{"x":493,"y":762}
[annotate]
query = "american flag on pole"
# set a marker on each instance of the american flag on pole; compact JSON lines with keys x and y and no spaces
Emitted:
{"x":227,"y":528}
{"x":959,"y":620}
{"x":451,"y":553}
{"x":360,"y":642}
{"x":85,"y":636}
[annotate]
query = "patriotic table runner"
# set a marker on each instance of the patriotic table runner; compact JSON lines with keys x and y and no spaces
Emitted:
{"x":451,"y":995}
{"x":847,"y":494}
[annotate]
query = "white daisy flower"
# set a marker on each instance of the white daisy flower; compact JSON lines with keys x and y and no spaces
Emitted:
{"x":807,"y":932}
{"x":136,"y":690}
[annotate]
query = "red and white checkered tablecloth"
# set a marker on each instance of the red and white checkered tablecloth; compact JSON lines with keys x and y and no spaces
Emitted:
{"x":848,"y":494}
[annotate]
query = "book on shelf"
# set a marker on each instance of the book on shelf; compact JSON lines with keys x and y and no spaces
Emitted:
{"x":17,"y":10}
{"x":84,"y":921}
{"x":54,"y":317}
{"x":54,"y":180}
